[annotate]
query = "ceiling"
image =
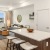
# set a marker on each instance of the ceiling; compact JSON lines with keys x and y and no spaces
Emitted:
{"x":11,"y":4}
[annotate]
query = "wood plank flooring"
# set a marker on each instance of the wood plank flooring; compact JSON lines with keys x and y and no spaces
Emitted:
{"x":3,"y":43}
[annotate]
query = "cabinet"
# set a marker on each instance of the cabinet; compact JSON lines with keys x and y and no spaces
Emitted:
{"x":46,"y":44}
{"x":42,"y":45}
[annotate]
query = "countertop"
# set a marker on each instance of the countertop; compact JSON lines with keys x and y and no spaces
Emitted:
{"x":36,"y":34}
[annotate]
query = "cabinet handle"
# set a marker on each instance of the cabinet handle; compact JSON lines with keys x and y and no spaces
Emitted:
{"x":46,"y":43}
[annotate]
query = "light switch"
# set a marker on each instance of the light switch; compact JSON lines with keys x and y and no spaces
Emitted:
{"x":46,"y":43}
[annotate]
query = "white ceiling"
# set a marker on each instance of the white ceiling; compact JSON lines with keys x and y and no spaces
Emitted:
{"x":10,"y":4}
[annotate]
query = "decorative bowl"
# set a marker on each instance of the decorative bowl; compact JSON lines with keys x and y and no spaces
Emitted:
{"x":30,"y":30}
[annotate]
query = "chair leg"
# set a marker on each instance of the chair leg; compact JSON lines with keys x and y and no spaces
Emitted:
{"x":17,"y":47}
{"x":21,"y":48}
{"x":10,"y":46}
{"x":7,"y":44}
{"x":13,"y":46}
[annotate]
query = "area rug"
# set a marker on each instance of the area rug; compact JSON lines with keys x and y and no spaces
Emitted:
{"x":2,"y":37}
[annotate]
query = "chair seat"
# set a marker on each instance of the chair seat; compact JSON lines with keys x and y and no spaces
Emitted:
{"x":17,"y":41}
{"x":11,"y":37}
{"x":28,"y":46}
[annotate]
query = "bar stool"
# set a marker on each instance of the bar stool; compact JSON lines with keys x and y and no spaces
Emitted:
{"x":28,"y":46}
{"x":9,"y":42}
{"x":17,"y":43}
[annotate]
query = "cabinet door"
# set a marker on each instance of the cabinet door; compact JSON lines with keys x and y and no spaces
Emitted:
{"x":46,"y":44}
{"x":48,"y":48}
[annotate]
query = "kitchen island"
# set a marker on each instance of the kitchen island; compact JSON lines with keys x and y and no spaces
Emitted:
{"x":39,"y":38}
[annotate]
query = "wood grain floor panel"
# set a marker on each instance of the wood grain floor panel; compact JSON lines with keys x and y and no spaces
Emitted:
{"x":3,"y":43}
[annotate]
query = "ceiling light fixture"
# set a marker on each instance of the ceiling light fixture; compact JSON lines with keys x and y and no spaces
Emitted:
{"x":24,"y":4}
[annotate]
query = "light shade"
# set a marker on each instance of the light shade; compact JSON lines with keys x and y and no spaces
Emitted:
{"x":8,"y":23}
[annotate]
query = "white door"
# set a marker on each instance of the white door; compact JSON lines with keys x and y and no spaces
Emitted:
{"x":43,"y":20}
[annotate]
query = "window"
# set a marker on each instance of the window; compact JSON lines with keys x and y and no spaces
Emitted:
{"x":1,"y":16}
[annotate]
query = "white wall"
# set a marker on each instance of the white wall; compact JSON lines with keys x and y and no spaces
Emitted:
{"x":24,"y":12}
{"x":42,"y":4}
{"x":38,"y":5}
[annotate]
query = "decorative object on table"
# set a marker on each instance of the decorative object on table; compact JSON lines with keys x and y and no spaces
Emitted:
{"x":27,"y":26}
{"x":4,"y":28}
{"x":21,"y":26}
{"x":30,"y":30}
{"x":31,"y":16}
{"x":19,"y":18}
{"x":15,"y":24}
{"x":18,"y":25}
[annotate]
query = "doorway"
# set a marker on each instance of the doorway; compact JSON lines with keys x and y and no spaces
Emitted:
{"x":43,"y":20}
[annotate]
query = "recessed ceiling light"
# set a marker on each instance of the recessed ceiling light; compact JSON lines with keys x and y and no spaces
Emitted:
{"x":24,"y":4}
{"x":23,"y":1}
{"x":11,"y":8}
